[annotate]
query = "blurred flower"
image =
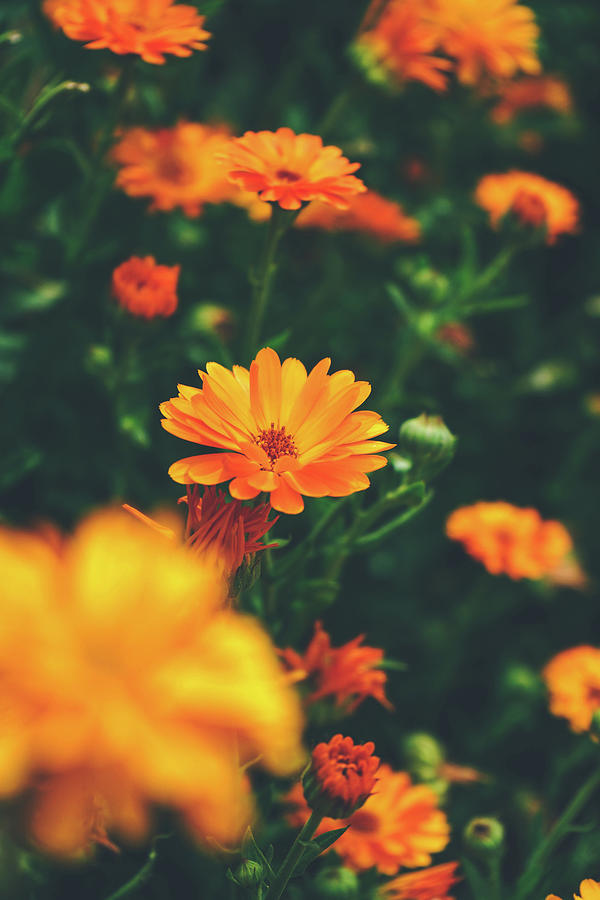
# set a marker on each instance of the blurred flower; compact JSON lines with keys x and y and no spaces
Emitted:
{"x":427,"y":884}
{"x":573,"y":681}
{"x":531,"y":141}
{"x":148,"y":28}
{"x":532,"y":199}
{"x":398,"y":46}
{"x":287,"y":433}
{"x":349,"y":673}
{"x":290,"y":168}
{"x":341,"y":776}
{"x":526,"y":93}
{"x":589,"y":890}
{"x":369,"y":213}
{"x":399,"y":825}
{"x":510,"y":539}
{"x":456,"y":335}
{"x":144,"y":288}
{"x":213,"y":319}
{"x":125,"y":682}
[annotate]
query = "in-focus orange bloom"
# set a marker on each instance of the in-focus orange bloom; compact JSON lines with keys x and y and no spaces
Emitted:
{"x":534,"y":200}
{"x":573,"y":681}
{"x":148,"y":28}
{"x":291,"y":169}
{"x":399,"y":825}
{"x":341,"y":776}
{"x":125,"y":682}
{"x":349,"y":673}
{"x":526,"y":93}
{"x":368,"y":213}
{"x":399,"y":45}
{"x":428,"y":884}
{"x":144,"y":288}
{"x":588,"y":890}
{"x":509,"y":539}
{"x":284,"y":431}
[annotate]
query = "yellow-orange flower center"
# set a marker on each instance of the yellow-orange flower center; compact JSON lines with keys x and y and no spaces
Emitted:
{"x":276,"y":442}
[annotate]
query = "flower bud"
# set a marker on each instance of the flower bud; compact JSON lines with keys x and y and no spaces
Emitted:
{"x":428,"y":443}
{"x":340,"y":777}
{"x":484,"y":839}
{"x":423,"y":756}
{"x":336,"y":883}
{"x":249,"y":873}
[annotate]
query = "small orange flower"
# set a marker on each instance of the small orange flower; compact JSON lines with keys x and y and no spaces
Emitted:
{"x":368,"y":213}
{"x":427,"y":884}
{"x":349,"y":673}
{"x":341,"y":776}
{"x":144,"y":288}
{"x":284,"y":431}
{"x":573,"y":681}
{"x":526,"y":93}
{"x":147,"y":28}
{"x":291,"y":169}
{"x":589,"y":890}
{"x":509,"y":539}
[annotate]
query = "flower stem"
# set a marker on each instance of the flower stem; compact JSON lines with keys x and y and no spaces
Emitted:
{"x":261,"y":280}
{"x":289,"y":864}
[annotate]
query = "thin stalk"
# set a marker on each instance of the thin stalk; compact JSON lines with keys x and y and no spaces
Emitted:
{"x":278,"y":224}
{"x":289,"y":864}
{"x":491,"y":272}
{"x":138,"y":880}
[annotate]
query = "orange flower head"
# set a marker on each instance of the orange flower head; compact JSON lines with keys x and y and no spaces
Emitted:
{"x":144,"y":288}
{"x":146,"y":28}
{"x":573,"y":681}
{"x":127,"y":683}
{"x":399,"y":47}
{"x":283,"y":431}
{"x":427,"y":884}
{"x":291,"y":169}
{"x":368,"y":213}
{"x":528,"y":93}
{"x":341,"y":777}
{"x":589,"y":890}
{"x":349,"y":673}
{"x":509,"y":539}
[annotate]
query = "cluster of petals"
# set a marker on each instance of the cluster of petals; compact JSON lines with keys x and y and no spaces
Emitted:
{"x":433,"y":883}
{"x":527,"y":93}
{"x":368,"y":213}
{"x":400,"y":824}
{"x":510,"y":539}
{"x":279,"y":430}
{"x":349,"y":673}
{"x":533,"y":200}
{"x":126,"y":683}
{"x":345,"y":771}
{"x":144,"y":288}
{"x":146,"y":28}
{"x":588,"y":890}
{"x":291,"y":169}
{"x":573,"y":681}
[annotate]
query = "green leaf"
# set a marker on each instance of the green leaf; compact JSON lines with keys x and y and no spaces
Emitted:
{"x":251,"y":850}
{"x":314,"y":848}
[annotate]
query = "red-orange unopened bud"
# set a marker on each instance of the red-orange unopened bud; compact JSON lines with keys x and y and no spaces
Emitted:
{"x":341,"y":776}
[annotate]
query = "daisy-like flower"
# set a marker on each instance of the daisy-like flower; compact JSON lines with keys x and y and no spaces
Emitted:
{"x":126,"y":683}
{"x":588,"y":890}
{"x":283,"y":431}
{"x":349,"y":673}
{"x":144,"y":288}
{"x":368,"y":213}
{"x":534,"y":201}
{"x":573,"y":681}
{"x":527,"y":93}
{"x":291,"y":169}
{"x":146,"y":28}
{"x":509,"y":539}
{"x":427,"y":884}
{"x":341,"y":776}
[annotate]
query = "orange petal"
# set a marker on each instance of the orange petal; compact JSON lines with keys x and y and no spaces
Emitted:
{"x":241,"y":489}
{"x":265,"y":388}
{"x":285,"y":499}
{"x":264,"y":481}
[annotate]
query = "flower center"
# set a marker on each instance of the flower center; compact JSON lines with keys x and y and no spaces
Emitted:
{"x":286,"y":175}
{"x":363,"y":820}
{"x":529,"y":208}
{"x":276,"y":443}
{"x":173,"y":170}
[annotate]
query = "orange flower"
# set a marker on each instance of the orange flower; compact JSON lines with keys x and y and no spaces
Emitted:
{"x":291,"y":169}
{"x":590,"y":890}
{"x":399,"y":825}
{"x":369,"y":213}
{"x":341,"y":776}
{"x":573,"y":681}
{"x":285,"y":432}
{"x":510,"y":539}
{"x":349,"y":673}
{"x":427,"y":884}
{"x":399,"y":45}
{"x":148,"y":28}
{"x":532,"y":199}
{"x":125,"y":683}
{"x":525,"y":93}
{"x":144,"y":288}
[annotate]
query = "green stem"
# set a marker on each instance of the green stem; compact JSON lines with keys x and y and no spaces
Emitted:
{"x":279,"y":222}
{"x":138,"y":880}
{"x":289,"y":864}
{"x":491,"y":272}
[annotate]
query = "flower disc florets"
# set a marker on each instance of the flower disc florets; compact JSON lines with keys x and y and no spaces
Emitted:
{"x":341,"y":776}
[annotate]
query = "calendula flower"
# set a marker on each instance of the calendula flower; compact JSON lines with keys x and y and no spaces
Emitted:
{"x":527,"y":93}
{"x":399,"y":825}
{"x":290,"y":169}
{"x":573,"y":681}
{"x":427,"y":884}
{"x":349,"y":673}
{"x":509,"y":539}
{"x":398,"y":46}
{"x":283,"y":431}
{"x":144,"y":288}
{"x":588,"y":890}
{"x":341,"y":776}
{"x":534,"y":200}
{"x":126,"y":682}
{"x":146,"y":28}
{"x":368,"y":213}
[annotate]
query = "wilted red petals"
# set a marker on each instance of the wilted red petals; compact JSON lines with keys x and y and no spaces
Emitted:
{"x":144,"y":288}
{"x":573,"y":681}
{"x":427,"y":884}
{"x":368,"y":213}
